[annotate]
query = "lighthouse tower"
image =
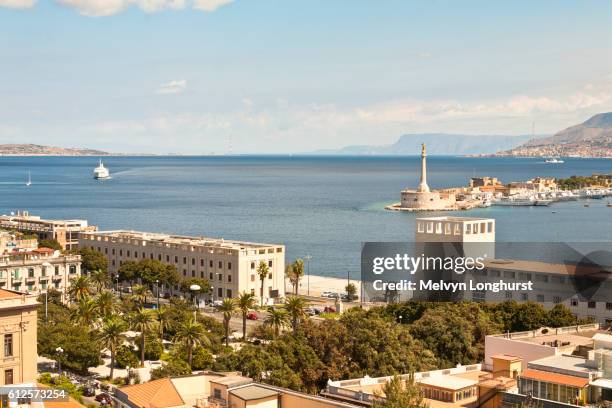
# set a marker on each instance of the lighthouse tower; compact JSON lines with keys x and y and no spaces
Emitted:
{"x":423,"y":187}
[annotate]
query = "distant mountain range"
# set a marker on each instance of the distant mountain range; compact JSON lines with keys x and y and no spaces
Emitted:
{"x":592,"y":138}
{"x":39,"y":150}
{"x":438,"y":144}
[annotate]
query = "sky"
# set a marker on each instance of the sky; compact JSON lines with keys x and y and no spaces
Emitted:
{"x":284,"y":76}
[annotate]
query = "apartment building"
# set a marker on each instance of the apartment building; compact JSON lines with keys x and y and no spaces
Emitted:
{"x":18,"y":334}
{"x":66,"y":232}
{"x":35,"y":271}
{"x":230,"y":266}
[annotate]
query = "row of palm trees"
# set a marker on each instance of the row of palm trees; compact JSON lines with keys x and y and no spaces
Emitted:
{"x":291,"y":313}
{"x":104,"y":312}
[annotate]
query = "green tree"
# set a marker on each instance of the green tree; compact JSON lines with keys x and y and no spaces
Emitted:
{"x":50,"y":243}
{"x":294,"y":272}
{"x":126,"y":356}
{"x":246,"y":302}
{"x":170,"y":277}
{"x":228,"y":308}
{"x":296,"y":307}
{"x":83,"y":312}
{"x":128,"y":271}
{"x":106,"y":304}
{"x":351,"y":291}
{"x":204,"y":285}
{"x":111,"y":336}
{"x":560,"y":316}
{"x":191,"y":334}
{"x":262,"y":272}
{"x":92,"y":260}
{"x":80,"y":288}
{"x":140,"y":293}
{"x":165,"y":319}
{"x":172,"y":368}
{"x":400,"y":394}
{"x":142,"y":320}
{"x":81,"y":346}
{"x":99,"y":279}
{"x":277,"y":319}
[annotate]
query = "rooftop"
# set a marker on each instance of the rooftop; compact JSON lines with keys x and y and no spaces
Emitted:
{"x":232,"y":380}
{"x":449,"y":382}
{"x":555,"y":378}
{"x":9,"y":294}
{"x":153,"y":394}
{"x":562,"y":363}
{"x":506,"y":357}
{"x":253,"y":392}
{"x":176,"y":239}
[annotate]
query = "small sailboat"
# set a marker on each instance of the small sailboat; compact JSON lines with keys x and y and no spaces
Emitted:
{"x":29,"y":180}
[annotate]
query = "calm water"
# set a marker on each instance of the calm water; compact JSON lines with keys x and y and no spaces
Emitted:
{"x":325,"y":206}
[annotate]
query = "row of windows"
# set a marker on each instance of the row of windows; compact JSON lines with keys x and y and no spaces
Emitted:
{"x":541,"y":298}
{"x":31,"y":287}
{"x":16,"y":273}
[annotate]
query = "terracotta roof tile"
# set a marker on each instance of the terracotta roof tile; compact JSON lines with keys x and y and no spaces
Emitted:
{"x":153,"y":394}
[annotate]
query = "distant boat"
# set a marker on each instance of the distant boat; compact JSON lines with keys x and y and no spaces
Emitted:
{"x":609,"y":204}
{"x":554,"y":160}
{"x":101,"y":172}
{"x":29,"y":180}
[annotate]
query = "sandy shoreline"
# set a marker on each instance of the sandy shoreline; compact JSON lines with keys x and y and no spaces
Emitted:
{"x":318,"y":284}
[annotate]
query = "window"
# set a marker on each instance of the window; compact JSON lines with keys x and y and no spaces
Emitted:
{"x":193,"y":261}
{"x":252,"y":265}
{"x":8,"y":377}
{"x":210,"y":276}
{"x":220,"y":264}
{"x":193,"y":274}
{"x":220,"y":292}
{"x":556,"y":299}
{"x":8,"y":345}
{"x":229,"y":278}
{"x":270,"y":276}
{"x":210,"y":263}
{"x":30,"y":272}
{"x":229,"y":265}
{"x":175,"y":259}
{"x":43,"y":271}
{"x":252,"y":278}
{"x":220,"y":277}
{"x":508,"y":295}
{"x":167,"y":258}
{"x":269,"y":264}
{"x":201,"y":262}
{"x":56,"y":270}
{"x":574,"y":302}
{"x":229,"y":293}
{"x":113,"y":251}
{"x":121,"y":252}
{"x":524,"y":297}
{"x":72,"y":269}
{"x":128,"y":253}
{"x":184,"y":260}
{"x":540,"y":298}
{"x":591,"y":305}
{"x":608,"y":305}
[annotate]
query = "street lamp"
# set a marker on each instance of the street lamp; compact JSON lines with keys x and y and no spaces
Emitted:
{"x":212,"y":294}
{"x":157,"y":289}
{"x":59,"y":351}
{"x":194,"y":289}
{"x":308,"y":257}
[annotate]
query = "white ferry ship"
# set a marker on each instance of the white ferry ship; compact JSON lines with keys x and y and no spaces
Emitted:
{"x":554,"y":160}
{"x":101,"y":172}
{"x":515,"y":201}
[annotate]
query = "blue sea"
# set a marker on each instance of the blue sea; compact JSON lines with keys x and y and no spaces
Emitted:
{"x":322,"y":206}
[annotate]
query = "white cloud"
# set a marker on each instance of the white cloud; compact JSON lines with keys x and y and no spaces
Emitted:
{"x":101,"y":8}
{"x":210,"y":5}
{"x":17,"y":4}
{"x":173,"y":87}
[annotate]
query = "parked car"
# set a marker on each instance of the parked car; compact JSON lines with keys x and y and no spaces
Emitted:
{"x":327,"y":294}
{"x":252,"y":316}
{"x":104,"y":398}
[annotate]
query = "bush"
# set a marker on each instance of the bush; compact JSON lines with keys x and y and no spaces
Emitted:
{"x":126,"y":356}
{"x":174,"y":367}
{"x":201,"y":358}
{"x":45,"y":378}
{"x":153,"y":348}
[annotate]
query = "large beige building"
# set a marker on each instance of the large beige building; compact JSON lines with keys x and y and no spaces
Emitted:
{"x":37,"y":270}
{"x":66,"y":232}
{"x":230,"y":266}
{"x":18,"y":333}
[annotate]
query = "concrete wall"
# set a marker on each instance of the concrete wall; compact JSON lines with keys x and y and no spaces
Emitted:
{"x":525,"y":350}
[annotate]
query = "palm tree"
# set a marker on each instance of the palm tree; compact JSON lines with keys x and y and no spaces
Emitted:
{"x":84,"y":312}
{"x":142,"y":320}
{"x":106,"y":304}
{"x":111,"y":337}
{"x":296,"y":307}
{"x":294,"y":272}
{"x":227,"y":307}
{"x":262,"y":272}
{"x":277,"y":319}
{"x":164,"y":317}
{"x":100,"y":279}
{"x":246,"y":302}
{"x":80,"y":288}
{"x":139,"y":293}
{"x":191,"y":334}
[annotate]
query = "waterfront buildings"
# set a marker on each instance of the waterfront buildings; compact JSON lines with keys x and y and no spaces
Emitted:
{"x":18,"y":334}
{"x":66,"y":232}
{"x":553,"y":283}
{"x":37,"y":270}
{"x":230,"y":266}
